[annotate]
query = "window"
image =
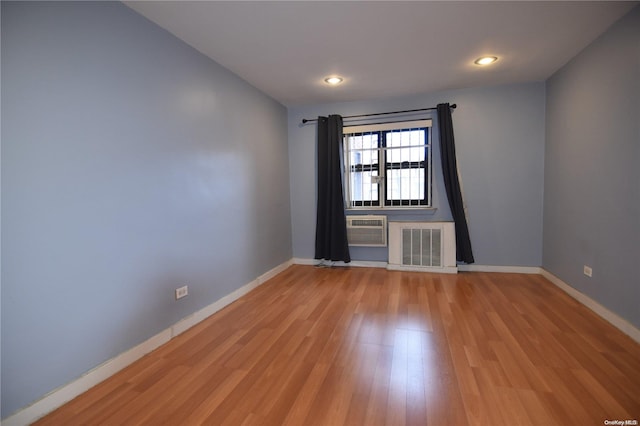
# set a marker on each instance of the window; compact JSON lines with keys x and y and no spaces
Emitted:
{"x":388,"y":165}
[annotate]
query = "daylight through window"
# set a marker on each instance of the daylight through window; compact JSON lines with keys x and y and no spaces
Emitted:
{"x":388,"y":165}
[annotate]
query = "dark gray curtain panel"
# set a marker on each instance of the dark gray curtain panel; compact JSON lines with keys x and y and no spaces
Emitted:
{"x":464,"y":253}
{"x":331,"y":224}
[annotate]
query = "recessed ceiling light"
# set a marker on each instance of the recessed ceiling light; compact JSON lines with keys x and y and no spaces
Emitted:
{"x":485,"y":60}
{"x":333,"y":80}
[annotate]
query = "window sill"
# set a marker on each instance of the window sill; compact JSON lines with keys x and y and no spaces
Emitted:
{"x":392,"y":211}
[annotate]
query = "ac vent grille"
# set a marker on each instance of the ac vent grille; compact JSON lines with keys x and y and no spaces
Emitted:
{"x":367,"y":222}
{"x":369,"y":231}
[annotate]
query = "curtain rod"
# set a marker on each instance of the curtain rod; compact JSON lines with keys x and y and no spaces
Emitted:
{"x":453,"y":106}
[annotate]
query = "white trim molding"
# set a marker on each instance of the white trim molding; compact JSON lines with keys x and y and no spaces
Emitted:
{"x":304,"y":261}
{"x":449,"y":270}
{"x":502,"y":269}
{"x":446,"y":270}
{"x":611,"y":317}
{"x":66,"y":393}
{"x":361,"y":264}
{"x":443,"y":270}
{"x":339,"y":264}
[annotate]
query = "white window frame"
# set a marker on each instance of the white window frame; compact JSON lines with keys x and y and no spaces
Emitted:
{"x":382,"y":202}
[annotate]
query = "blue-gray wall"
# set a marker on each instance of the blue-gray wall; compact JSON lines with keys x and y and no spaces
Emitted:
{"x":592,"y":170}
{"x":131,"y":165}
{"x":499,"y":135}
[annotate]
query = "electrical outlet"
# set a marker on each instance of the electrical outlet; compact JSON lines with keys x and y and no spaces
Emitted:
{"x":588,"y":271}
{"x":182,"y":292}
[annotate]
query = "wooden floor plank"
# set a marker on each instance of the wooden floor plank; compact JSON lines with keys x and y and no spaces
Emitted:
{"x":366,"y":346}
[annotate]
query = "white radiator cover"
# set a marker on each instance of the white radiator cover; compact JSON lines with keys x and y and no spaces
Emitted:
{"x":422,"y":246}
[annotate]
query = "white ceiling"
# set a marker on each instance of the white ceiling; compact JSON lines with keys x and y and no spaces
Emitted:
{"x":383,"y":48}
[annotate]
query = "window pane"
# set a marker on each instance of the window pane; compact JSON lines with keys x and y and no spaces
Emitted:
{"x":365,"y":156}
{"x":405,"y":184}
{"x":400,"y":145}
{"x":405,"y":138}
{"x":363,"y":149}
{"x":398,"y":155}
{"x":362,"y":186}
{"x":363,"y":153}
{"x":363,"y":141}
{"x":397,"y":159}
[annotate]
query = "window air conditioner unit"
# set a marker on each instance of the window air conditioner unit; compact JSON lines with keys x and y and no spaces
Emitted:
{"x":367,"y":231}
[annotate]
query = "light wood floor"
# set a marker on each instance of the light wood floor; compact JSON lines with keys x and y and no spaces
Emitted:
{"x":363,"y":346}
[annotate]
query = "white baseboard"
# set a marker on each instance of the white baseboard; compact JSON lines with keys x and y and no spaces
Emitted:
{"x":275,"y":271}
{"x":611,"y":317}
{"x":444,"y":270}
{"x":448,"y":270}
{"x":502,"y":269}
{"x":193,"y":319}
{"x":66,"y":393}
{"x":354,"y":263}
{"x":361,"y":264}
{"x":304,"y":261}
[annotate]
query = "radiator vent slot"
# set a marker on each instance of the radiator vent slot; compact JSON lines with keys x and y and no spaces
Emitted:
{"x":367,"y":231}
{"x":422,"y":246}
